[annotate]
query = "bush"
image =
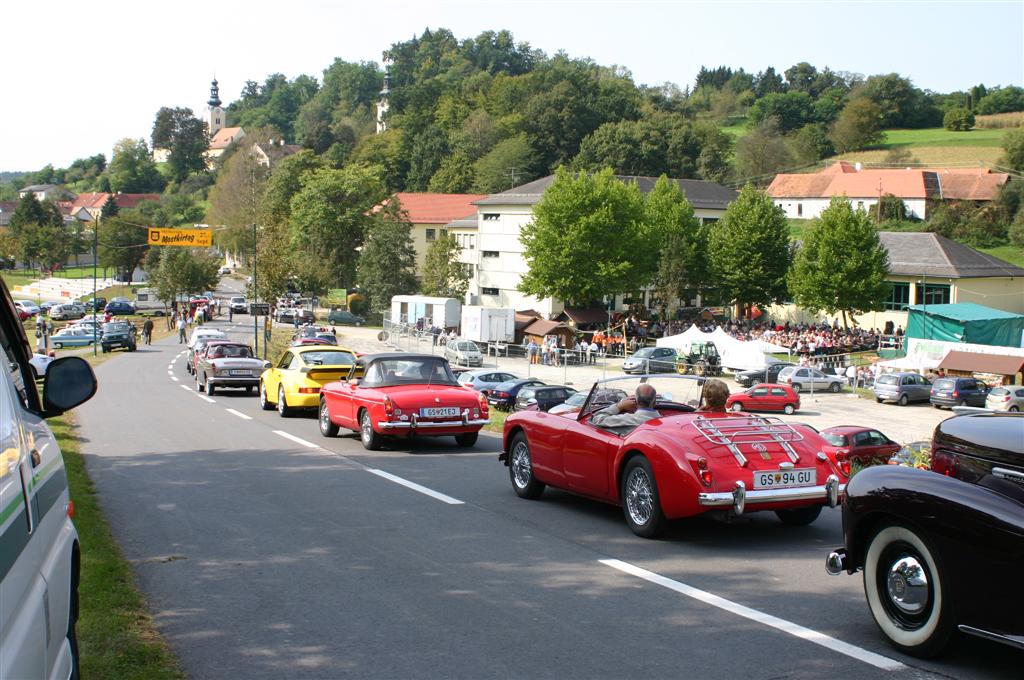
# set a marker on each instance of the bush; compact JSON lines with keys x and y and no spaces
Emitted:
{"x":1016,"y":230}
{"x":1013,"y":146}
{"x":889,"y":207}
{"x":958,"y":119}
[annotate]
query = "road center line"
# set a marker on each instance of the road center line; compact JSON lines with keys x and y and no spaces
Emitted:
{"x":239,"y":414}
{"x":876,"y":660}
{"x":416,"y":487}
{"x":174,"y":378}
{"x":212,"y":401}
{"x":297,"y":440}
{"x":185,"y":387}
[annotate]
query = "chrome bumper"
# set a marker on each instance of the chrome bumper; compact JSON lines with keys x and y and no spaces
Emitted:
{"x":388,"y":425}
{"x":739,"y":497}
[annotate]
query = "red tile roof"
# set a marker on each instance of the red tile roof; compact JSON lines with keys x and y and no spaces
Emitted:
{"x":844,"y":179}
{"x":133,"y":200}
{"x":90,"y":201}
{"x":437,"y":208}
{"x":224,"y":137}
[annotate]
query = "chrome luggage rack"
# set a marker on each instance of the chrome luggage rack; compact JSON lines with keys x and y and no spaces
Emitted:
{"x":748,"y":429}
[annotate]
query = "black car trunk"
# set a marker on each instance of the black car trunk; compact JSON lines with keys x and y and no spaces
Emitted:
{"x":984,"y":449}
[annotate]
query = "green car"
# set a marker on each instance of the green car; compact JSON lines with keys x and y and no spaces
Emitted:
{"x":343,"y":317}
{"x":118,"y":334}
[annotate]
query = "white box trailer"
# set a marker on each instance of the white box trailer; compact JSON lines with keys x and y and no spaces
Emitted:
{"x":488,"y":324}
{"x":433,"y":311}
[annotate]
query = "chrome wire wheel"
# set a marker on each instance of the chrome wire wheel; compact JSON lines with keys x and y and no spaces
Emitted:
{"x":366,"y":427}
{"x":639,"y":496}
{"x":522,"y":469}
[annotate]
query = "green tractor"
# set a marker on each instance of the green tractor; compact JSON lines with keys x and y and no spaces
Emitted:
{"x":701,"y":359}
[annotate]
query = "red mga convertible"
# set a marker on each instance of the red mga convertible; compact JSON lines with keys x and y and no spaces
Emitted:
{"x":402,"y":395}
{"x":683,"y":463}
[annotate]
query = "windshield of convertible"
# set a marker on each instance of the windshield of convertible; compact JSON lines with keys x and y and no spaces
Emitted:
{"x":408,"y":371}
{"x":676,"y":394}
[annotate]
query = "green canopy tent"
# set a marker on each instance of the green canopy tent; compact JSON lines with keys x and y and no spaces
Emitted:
{"x":966,"y":322}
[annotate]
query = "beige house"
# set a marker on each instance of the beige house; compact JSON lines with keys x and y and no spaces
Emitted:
{"x":926,"y":268}
{"x":430,"y":215}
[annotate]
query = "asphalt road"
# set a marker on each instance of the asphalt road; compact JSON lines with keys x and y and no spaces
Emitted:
{"x":267,"y":551}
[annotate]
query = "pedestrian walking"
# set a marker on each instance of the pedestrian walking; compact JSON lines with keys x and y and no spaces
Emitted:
{"x":182,"y":325}
{"x":231,"y":313}
{"x":147,"y":331}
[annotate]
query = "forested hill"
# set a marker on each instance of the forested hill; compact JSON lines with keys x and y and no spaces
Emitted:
{"x":466,"y":114}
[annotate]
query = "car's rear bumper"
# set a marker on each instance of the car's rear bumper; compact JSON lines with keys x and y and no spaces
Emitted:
{"x":233,"y":381}
{"x":433,"y":427}
{"x":739,"y":498}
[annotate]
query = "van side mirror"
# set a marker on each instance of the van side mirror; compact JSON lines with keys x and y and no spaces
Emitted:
{"x":69,"y":382}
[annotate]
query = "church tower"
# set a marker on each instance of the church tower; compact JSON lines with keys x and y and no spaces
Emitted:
{"x":382,"y":101}
{"x":215,"y":119}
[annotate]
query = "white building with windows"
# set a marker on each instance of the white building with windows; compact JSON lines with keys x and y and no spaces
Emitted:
{"x":496,"y":253}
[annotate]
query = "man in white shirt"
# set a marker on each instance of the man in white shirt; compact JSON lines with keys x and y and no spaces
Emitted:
{"x":630,"y":411}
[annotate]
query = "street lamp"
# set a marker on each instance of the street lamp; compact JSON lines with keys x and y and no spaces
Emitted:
{"x":255,"y":299}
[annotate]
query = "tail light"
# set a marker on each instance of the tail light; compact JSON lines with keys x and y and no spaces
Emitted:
{"x":483,"y":406}
{"x":1006,"y":398}
{"x":844,"y":467}
{"x":703,"y":472}
{"x":955,"y":393}
{"x":789,"y":381}
{"x":500,"y":395}
{"x":945,"y":464}
{"x":70,"y":509}
{"x":842,"y":454}
{"x":389,"y":408}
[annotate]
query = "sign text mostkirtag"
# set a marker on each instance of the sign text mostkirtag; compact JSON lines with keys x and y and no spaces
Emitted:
{"x":193,"y":238}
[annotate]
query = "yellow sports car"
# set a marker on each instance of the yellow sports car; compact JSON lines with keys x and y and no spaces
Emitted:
{"x":294,"y":381}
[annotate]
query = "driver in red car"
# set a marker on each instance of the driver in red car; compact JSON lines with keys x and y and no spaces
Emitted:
{"x":629,"y":411}
{"x":716,"y":393}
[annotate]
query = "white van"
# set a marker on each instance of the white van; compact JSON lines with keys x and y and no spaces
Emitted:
{"x":146,"y":300}
{"x":40,"y":559}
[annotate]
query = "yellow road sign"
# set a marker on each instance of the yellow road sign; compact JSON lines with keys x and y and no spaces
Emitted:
{"x":193,"y":238}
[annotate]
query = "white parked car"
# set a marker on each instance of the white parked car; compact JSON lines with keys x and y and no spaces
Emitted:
{"x":463,"y":352}
{"x":238,"y":304}
{"x":27,"y":306}
{"x":205,"y":332}
{"x":71,"y":310}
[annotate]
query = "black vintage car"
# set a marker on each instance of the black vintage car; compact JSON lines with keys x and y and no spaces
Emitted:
{"x":769,"y":374}
{"x":941,"y":549}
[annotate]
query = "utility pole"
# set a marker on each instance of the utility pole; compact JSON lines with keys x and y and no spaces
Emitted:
{"x":255,"y":299}
{"x":95,"y":257}
{"x":512,"y":172}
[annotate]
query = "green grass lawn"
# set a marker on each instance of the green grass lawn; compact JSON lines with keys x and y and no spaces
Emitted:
{"x":116,"y":635}
{"x":1012,"y":254}
{"x":942,"y":137}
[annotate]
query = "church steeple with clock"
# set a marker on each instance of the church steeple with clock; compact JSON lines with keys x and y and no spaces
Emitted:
{"x":215,"y":117}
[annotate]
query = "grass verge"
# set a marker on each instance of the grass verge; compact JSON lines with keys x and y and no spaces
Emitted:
{"x":497,"y":423}
{"x":116,"y":635}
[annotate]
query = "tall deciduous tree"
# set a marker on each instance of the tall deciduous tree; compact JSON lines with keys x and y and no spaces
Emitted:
{"x":763,"y":152}
{"x":510,"y":163}
{"x":131,"y":169}
{"x":177,"y":272}
{"x":588,"y":239}
{"x":122,"y":242}
{"x":443,"y":274}
{"x":330,"y":216}
{"x":858,"y":126}
{"x":38,"y":232}
{"x":387,"y":263}
{"x":683,"y":261}
{"x":749,"y":250}
{"x":841,"y":265}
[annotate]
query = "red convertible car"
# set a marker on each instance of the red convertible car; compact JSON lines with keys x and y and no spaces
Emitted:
{"x":402,"y":395}
{"x":683,"y":463}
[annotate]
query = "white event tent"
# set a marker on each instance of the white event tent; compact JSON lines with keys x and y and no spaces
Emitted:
{"x":743,"y":355}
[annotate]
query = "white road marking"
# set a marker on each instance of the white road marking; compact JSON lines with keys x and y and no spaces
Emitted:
{"x":239,"y":414}
{"x":185,"y":387}
{"x":295,"y":439}
{"x":174,"y":378}
{"x":416,"y":487}
{"x":212,"y":401}
{"x":876,"y":660}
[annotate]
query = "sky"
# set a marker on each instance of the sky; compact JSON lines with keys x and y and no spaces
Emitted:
{"x":82,"y":75}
